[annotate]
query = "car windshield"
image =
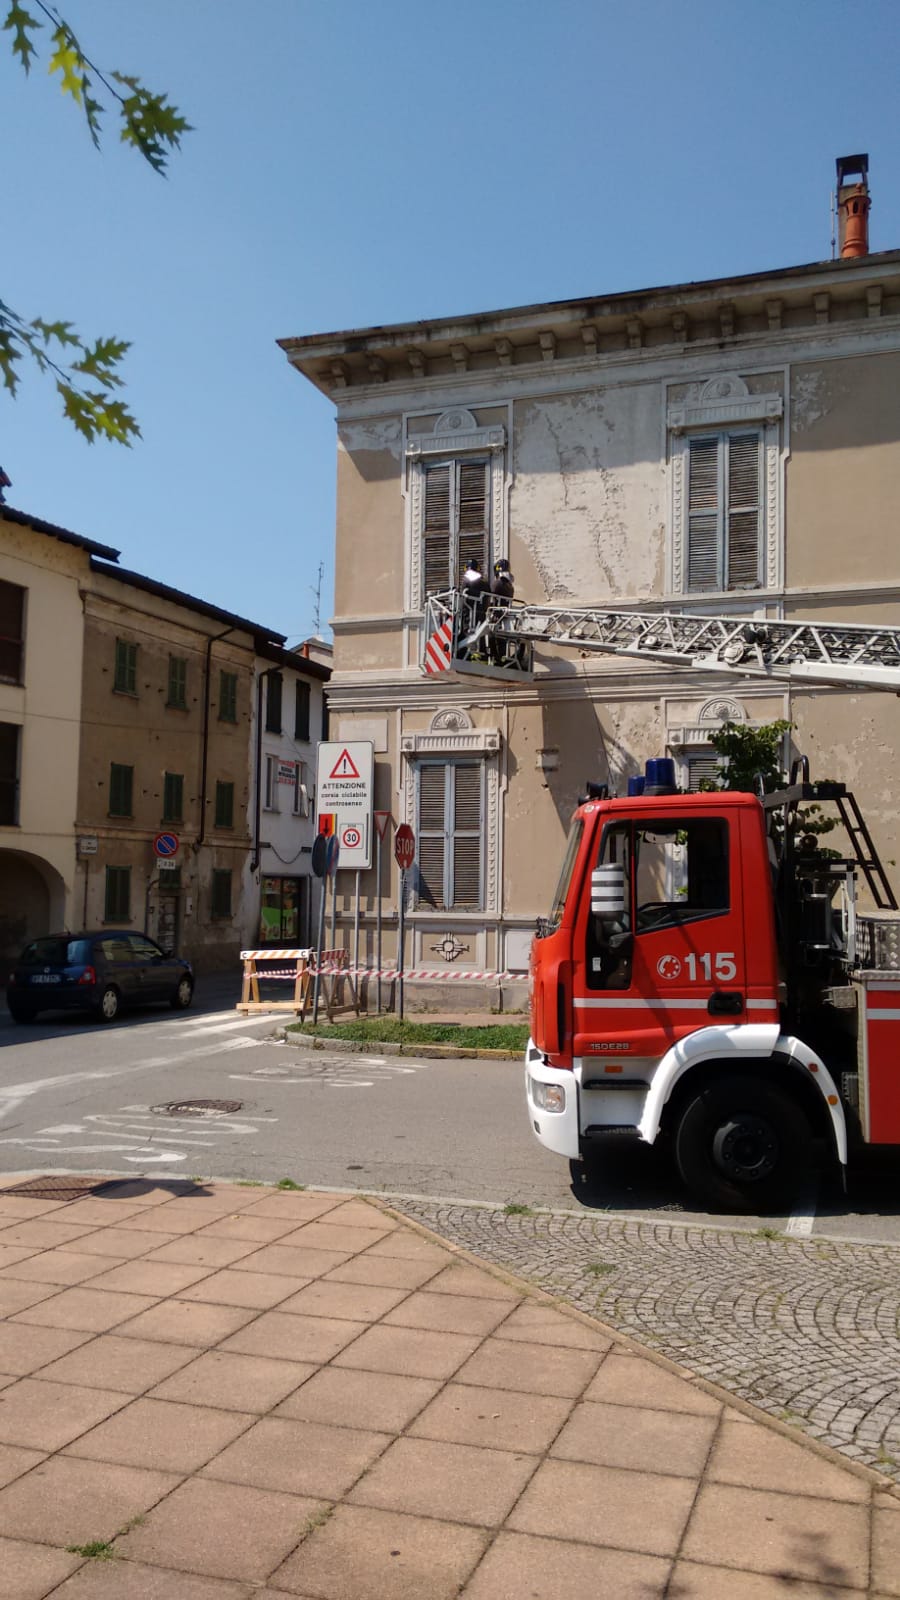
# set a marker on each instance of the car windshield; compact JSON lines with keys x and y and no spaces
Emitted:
{"x":565,"y":877}
{"x":55,"y":953}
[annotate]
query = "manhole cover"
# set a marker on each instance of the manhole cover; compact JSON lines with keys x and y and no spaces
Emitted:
{"x":197,"y":1108}
{"x":67,"y":1187}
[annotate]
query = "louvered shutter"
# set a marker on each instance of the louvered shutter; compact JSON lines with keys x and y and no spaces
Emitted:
{"x":744,"y":460}
{"x":703,"y":769}
{"x":436,"y":530}
{"x":472,"y":503}
{"x":703,"y":514}
{"x":432,"y":832}
{"x":467,"y":833}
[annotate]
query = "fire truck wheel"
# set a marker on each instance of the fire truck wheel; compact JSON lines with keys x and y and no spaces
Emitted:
{"x":741,"y":1145}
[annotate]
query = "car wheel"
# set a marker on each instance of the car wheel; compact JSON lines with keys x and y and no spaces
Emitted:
{"x":741,"y":1145}
{"x":20,"y":1012}
{"x":183,"y":995}
{"x":108,"y":1004}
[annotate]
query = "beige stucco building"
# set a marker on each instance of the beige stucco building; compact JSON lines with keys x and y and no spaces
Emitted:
{"x":42,"y":570}
{"x":730,"y":446}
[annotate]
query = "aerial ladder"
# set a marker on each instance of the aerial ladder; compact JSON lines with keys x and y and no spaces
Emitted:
{"x":498,"y":640}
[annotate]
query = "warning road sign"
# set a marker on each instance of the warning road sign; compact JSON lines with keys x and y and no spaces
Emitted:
{"x":344,"y":794}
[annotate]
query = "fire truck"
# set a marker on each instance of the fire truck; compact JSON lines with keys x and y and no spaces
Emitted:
{"x":704,"y":975}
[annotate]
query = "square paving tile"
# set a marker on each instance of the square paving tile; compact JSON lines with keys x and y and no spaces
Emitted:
{"x":60,"y":1267}
{"x":789,"y":1535}
{"x":124,"y":1243}
{"x":295,"y":1208}
{"x":234,"y":1382}
{"x":360,"y":1214}
{"x":537,"y":1323}
{"x":292,"y":1261}
{"x":110,"y":1362}
{"x":257,"y":1290}
{"x":377,"y":1400}
{"x":17,"y":1294}
{"x":156,"y":1279}
{"x":88,"y":1310}
{"x":756,"y":1457}
{"x":630,"y":1436}
{"x":295,"y":1338}
{"x":456,"y":1482}
{"x":44,"y":1234}
{"x":389,"y":1272}
{"x":30,"y":1571}
{"x":162,"y":1435}
{"x":410,"y":1247}
{"x":448,"y":1313}
{"x":114,"y":1580}
{"x":298,"y":1457}
{"x":331,"y":1236}
{"x":496,"y":1419}
{"x":402,"y":1557}
{"x":221,"y":1529}
{"x":24,"y":1350}
{"x":64,"y":1501}
{"x":203,"y":1251}
{"x":886,"y":1545}
{"x":97,"y":1213}
{"x":15,"y":1460}
{"x":535,"y":1368}
{"x":632,"y":1381}
{"x":690,"y":1581}
{"x":11,"y":1253}
{"x":23,"y":1205}
{"x":46,"y":1416}
{"x":172,"y":1219}
{"x":415,"y":1352}
{"x":247,"y":1227}
{"x":519,"y":1565}
{"x":641,"y":1511}
{"x":186,"y":1322}
{"x":458,"y":1277}
{"x":359,"y":1302}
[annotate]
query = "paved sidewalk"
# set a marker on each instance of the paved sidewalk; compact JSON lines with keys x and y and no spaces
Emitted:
{"x":218,"y":1392}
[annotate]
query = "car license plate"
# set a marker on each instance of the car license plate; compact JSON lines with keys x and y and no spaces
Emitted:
{"x":46,"y":977}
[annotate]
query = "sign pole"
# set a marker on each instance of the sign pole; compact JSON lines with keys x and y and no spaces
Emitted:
{"x":333,"y":944}
{"x":400,"y":940}
{"x":324,"y":883}
{"x":356,"y":940}
{"x":377,"y":920}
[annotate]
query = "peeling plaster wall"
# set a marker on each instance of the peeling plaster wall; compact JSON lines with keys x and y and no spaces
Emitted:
{"x":587,"y":506}
{"x":843,"y":476}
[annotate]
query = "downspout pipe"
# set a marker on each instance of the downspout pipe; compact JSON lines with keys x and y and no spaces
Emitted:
{"x":257,"y":819}
{"x":204,"y":764}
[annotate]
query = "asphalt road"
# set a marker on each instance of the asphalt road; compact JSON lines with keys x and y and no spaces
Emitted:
{"x":80,"y":1096}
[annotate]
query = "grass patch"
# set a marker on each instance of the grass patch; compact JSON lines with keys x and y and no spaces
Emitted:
{"x":768,"y":1233}
{"x":599,"y":1269}
{"x":250,"y":1183}
{"x":95,"y":1550}
{"x":515,"y":1210}
{"x":388,"y":1030}
{"x":288,"y":1183}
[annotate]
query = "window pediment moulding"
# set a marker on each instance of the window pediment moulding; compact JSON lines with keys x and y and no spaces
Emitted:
{"x":454,"y":432}
{"x":720,"y":401}
{"x":452,"y":742}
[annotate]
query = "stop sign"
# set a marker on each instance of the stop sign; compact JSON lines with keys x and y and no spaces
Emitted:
{"x":404,"y":846}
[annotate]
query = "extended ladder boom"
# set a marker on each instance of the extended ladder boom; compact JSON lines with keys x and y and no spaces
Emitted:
{"x":500,"y":642}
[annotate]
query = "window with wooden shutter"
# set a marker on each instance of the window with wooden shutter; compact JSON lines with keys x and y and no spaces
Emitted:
{"x":450,"y":831}
{"x":456,"y":526}
{"x":724,"y":512}
{"x":12,"y":631}
{"x":703,"y":770}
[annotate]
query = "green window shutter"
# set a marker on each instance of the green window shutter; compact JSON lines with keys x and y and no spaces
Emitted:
{"x":125,"y":676}
{"x":744,"y":510}
{"x":121,"y":785}
{"x":301,"y":712}
{"x":221,"y":893}
{"x":177,"y":695}
{"x":704,"y":515}
{"x":228,"y":684}
{"x":117,"y":905}
{"x":224,"y":805}
{"x":173,"y":797}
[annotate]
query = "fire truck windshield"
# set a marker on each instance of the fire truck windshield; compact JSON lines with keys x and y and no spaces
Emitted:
{"x":565,"y":878}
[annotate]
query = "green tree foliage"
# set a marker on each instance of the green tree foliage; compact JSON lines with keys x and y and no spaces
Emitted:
{"x":86,"y":373}
{"x":751,"y":760}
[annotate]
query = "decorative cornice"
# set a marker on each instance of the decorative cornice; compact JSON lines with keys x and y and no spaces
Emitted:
{"x":456,"y":741}
{"x":722,"y":400}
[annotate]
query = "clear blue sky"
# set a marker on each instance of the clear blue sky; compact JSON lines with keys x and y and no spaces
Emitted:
{"x":357,"y":163}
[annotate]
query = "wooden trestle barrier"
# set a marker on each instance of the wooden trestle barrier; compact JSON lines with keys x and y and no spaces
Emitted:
{"x":335,"y":967}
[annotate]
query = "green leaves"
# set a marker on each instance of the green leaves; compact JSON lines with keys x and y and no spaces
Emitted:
{"x":87,"y":375}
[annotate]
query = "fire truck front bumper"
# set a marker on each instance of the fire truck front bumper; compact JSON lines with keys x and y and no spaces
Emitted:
{"x":552,"y":1097}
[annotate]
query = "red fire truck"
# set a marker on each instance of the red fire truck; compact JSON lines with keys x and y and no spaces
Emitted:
{"x":704,"y":974}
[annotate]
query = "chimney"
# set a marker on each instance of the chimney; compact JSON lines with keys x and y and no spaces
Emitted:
{"x":853,"y":205}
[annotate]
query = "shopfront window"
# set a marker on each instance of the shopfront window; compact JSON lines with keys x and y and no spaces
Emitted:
{"x":279,"y":917}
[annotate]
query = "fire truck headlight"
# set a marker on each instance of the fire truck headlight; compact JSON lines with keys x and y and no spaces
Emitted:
{"x":549,"y":1096}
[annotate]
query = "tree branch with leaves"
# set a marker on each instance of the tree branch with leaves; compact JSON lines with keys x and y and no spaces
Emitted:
{"x":86,"y":373}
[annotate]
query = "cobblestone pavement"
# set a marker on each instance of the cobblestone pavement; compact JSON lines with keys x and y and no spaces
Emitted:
{"x":809,"y":1331}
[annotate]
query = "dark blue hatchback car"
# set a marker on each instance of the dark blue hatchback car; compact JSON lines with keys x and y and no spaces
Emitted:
{"x":96,"y":972}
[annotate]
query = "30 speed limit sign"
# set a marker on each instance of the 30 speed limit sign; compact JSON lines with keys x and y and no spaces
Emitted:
{"x":351,"y":838}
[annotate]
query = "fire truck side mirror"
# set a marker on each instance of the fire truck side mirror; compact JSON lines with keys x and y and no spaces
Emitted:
{"x":608,"y":891}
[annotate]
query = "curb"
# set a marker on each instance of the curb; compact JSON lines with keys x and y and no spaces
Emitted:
{"x":431,"y":1052}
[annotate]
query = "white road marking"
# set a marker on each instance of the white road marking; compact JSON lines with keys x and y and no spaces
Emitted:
{"x":181,"y":1133}
{"x":801,"y":1220}
{"x":203,"y":1025}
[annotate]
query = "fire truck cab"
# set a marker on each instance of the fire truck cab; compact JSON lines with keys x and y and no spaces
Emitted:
{"x":696,"y":980}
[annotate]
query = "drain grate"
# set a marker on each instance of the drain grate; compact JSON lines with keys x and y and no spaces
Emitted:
{"x":66,"y":1187}
{"x":197,"y":1108}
